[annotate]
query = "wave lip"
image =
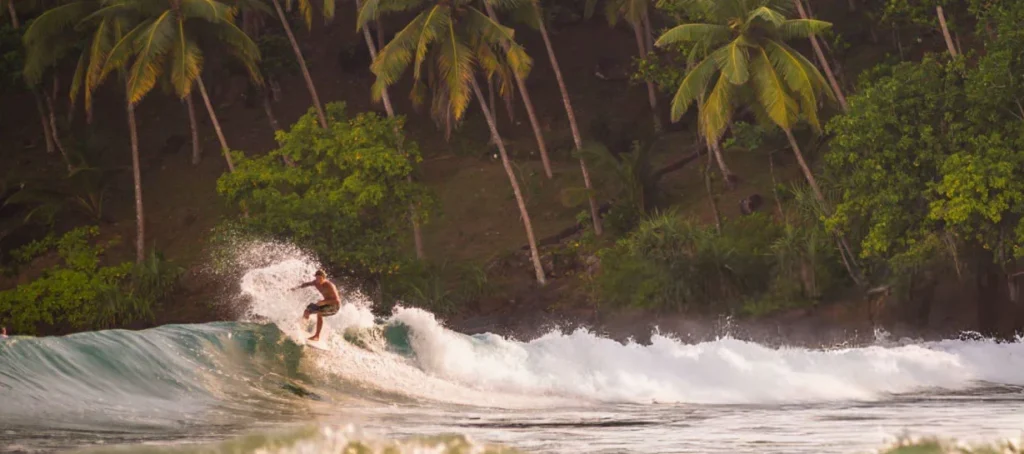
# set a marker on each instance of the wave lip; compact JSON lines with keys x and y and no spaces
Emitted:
{"x":725,"y":371}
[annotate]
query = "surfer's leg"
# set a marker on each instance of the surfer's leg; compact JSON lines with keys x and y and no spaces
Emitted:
{"x":319,"y":324}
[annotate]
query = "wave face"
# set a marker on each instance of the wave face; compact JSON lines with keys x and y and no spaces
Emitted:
{"x":187,"y":378}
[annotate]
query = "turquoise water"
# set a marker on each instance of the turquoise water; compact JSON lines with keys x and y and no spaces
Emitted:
{"x":407,"y":383}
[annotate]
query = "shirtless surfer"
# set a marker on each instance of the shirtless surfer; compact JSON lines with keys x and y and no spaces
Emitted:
{"x":325,"y":307}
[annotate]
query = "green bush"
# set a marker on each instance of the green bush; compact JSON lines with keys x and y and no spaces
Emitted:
{"x":441,"y":289}
{"x":79,"y":292}
{"x":754,"y":265}
{"x":345,"y":195}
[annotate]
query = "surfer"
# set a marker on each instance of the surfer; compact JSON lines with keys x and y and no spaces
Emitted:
{"x":325,"y":307}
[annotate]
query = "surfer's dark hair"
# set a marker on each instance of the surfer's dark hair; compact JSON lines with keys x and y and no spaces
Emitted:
{"x":320,"y":273}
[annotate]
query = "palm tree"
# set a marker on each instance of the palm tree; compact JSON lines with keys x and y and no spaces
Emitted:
{"x":821,"y":57}
{"x":489,"y":7}
{"x":46,"y":42}
{"x":636,"y":15}
{"x":306,"y":9}
{"x":386,"y":100}
{"x":746,"y":55}
{"x":167,"y":39}
{"x":455,"y":40}
{"x":536,"y":14}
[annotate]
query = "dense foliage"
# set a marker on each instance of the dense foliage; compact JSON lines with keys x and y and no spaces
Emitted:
{"x":79,"y":291}
{"x":342,"y":192}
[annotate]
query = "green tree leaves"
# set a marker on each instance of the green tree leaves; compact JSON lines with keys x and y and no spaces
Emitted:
{"x":346,"y":197}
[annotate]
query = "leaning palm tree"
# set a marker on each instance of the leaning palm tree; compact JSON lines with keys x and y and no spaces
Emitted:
{"x":47,"y":42}
{"x":385,"y":98}
{"x":533,"y":13}
{"x":168,"y":38}
{"x":527,"y":102}
{"x":636,"y":14}
{"x":747,"y":58}
{"x":455,"y":40}
{"x":307,"y":14}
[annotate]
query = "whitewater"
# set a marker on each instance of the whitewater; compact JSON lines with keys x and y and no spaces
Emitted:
{"x":407,"y":383}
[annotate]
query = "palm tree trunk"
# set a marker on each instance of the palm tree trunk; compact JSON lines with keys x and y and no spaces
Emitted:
{"x":137,"y":177}
{"x":194,"y":127}
{"x":652,"y":96}
{"x":844,"y":249}
{"x":730,"y":178}
{"x":576,"y":137}
{"x":803,"y":166}
{"x":14,"y":14}
{"x":302,"y":64}
{"x":44,"y":121}
{"x":711,"y":195}
{"x":945,"y":31}
{"x":47,"y":135}
{"x":541,"y":146}
{"x":821,"y":58}
{"x":269,"y":110}
{"x":648,"y":33}
{"x":216,"y":123}
{"x":775,"y":187}
{"x":53,"y":126}
{"x":417,"y":235}
{"x":538,"y":268}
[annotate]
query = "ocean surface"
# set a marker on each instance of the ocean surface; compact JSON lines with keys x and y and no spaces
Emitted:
{"x":408,"y":384}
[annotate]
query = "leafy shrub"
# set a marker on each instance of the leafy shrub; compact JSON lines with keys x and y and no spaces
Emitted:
{"x":753,"y":266}
{"x":79,"y":292}
{"x":440,"y":289}
{"x":345,"y":196}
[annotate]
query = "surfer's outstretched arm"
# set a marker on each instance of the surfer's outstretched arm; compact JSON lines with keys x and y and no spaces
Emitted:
{"x":307,"y":284}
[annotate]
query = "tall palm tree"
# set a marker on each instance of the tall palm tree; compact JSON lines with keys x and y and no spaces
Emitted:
{"x":455,"y":40}
{"x":535,"y":13}
{"x":635,"y":13}
{"x":527,"y":102}
{"x":746,"y":55}
{"x":46,"y":42}
{"x":417,"y":234}
{"x":167,"y":39}
{"x":307,"y":13}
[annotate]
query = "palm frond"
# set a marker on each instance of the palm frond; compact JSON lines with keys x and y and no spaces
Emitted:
{"x":115,"y":56}
{"x":306,"y":10}
{"x":479,"y":24}
{"x":392,"y":60}
{"x":528,"y":13}
{"x":766,"y":14}
{"x":802,"y":28}
{"x":771,"y":91}
{"x":49,"y":37}
{"x":78,"y":78}
{"x":186,"y":63}
{"x":208,"y":10}
{"x":732,"y":59}
{"x":436,"y":21}
{"x":707,"y":34}
{"x":329,"y":8}
{"x":455,"y":64}
{"x":151,"y":47}
{"x":99,"y":48}
{"x":716,"y":113}
{"x":801,"y":78}
{"x":693,"y":86}
{"x":242,"y":48}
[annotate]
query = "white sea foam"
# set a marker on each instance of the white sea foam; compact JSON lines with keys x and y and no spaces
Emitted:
{"x":491,"y":370}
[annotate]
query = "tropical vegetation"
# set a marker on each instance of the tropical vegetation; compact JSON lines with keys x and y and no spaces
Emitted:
{"x":751,"y":156}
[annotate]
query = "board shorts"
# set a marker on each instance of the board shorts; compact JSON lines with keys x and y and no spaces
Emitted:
{"x":326,"y":310}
